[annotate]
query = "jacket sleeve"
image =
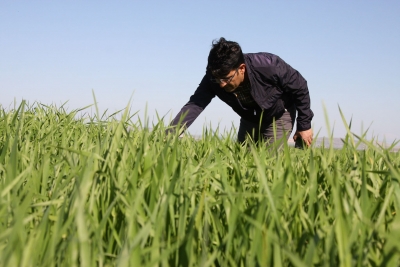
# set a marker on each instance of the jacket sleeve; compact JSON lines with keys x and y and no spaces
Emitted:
{"x":197,"y":103}
{"x":291,"y":81}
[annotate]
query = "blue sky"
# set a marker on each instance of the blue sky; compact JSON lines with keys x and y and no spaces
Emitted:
{"x":156,"y":52}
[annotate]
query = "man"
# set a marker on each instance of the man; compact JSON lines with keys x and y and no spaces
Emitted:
{"x":260,"y":87}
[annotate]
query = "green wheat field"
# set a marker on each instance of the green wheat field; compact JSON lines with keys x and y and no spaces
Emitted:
{"x":97,"y":190}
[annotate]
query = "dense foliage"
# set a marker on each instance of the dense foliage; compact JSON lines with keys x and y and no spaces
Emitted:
{"x":95,"y":191}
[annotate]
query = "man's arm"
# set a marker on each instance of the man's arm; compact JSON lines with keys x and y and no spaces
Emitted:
{"x":197,"y":103}
{"x":292,"y":82}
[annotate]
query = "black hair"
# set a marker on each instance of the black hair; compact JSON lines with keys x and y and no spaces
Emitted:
{"x":224,"y":57}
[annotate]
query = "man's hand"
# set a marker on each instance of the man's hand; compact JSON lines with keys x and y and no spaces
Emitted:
{"x":306,"y":135}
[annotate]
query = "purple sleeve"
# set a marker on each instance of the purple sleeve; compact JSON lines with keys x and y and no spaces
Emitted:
{"x":292,"y":82}
{"x":197,"y":103}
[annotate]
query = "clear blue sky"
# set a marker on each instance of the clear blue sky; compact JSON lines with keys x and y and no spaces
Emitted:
{"x":156,"y":51}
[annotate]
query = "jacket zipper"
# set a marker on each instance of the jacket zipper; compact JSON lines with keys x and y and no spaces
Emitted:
{"x":255,"y":112}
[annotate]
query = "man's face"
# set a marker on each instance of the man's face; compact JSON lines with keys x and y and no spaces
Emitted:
{"x":234,"y":78}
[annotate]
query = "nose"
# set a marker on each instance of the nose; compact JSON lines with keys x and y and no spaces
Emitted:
{"x":222,"y":84}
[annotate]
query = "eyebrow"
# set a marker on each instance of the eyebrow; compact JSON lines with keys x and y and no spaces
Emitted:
{"x":227,"y":77}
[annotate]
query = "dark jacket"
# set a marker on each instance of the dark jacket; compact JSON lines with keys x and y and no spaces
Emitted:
{"x":274,"y":86}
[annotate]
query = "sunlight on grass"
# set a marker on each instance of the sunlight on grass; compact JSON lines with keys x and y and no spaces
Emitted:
{"x":102,"y":191}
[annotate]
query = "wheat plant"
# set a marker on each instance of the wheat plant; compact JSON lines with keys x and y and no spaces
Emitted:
{"x":82,"y":190}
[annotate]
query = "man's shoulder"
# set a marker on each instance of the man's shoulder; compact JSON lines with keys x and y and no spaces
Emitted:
{"x":259,"y":55}
{"x":260,"y":59}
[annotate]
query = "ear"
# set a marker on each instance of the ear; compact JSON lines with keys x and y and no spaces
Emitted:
{"x":242,"y":68}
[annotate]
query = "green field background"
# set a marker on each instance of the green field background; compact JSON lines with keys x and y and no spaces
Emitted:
{"x":82,"y":190}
